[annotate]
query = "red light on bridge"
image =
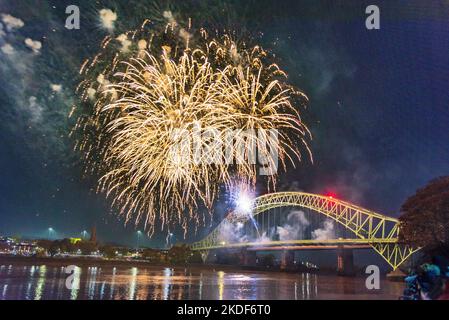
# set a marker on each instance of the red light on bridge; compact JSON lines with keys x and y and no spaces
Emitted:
{"x":331,"y":195}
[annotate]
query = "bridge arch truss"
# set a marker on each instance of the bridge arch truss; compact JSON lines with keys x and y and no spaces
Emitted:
{"x":379,"y":231}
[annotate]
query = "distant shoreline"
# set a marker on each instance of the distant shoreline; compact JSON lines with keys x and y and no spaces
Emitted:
{"x":89,"y":262}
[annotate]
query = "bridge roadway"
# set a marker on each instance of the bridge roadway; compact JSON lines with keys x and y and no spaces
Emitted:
{"x":344,"y":247}
{"x":299,"y":244}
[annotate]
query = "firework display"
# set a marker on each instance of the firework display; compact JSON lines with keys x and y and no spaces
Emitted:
{"x":149,"y":93}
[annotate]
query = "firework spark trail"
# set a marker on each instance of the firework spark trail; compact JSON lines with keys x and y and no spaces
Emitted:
{"x":136,"y":103}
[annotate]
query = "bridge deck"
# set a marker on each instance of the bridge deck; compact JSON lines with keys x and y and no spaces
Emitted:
{"x":303,"y":243}
{"x":311,"y":247}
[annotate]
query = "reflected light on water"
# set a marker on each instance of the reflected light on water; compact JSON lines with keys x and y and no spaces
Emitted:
{"x":40,"y":282}
{"x":201,"y":287}
{"x":92,"y":273}
{"x":167,"y":275}
{"x":111,"y":282}
{"x":132,"y":284}
{"x":221,"y":275}
{"x":76,"y":284}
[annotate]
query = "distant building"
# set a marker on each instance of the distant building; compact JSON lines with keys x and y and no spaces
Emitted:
{"x":6,"y":240}
{"x":93,"y":234}
{"x":11,"y":246}
{"x":74,"y":240}
{"x":6,"y":244}
{"x":25,"y":248}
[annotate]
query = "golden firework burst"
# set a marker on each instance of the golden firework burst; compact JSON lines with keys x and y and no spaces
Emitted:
{"x":147,"y":97}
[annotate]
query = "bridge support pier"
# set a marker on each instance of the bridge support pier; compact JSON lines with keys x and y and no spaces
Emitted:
{"x":345,"y":261}
{"x":249,"y":258}
{"x":204,"y":254}
{"x":287,"y":259}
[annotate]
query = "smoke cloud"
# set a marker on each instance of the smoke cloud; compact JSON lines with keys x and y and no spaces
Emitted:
{"x":296,"y":227}
{"x":325,"y":233}
{"x":11,"y":22}
{"x":107,"y":19}
{"x":34,"y":45}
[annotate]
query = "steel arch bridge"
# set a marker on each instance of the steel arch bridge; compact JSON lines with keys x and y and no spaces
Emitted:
{"x":377,"y":230}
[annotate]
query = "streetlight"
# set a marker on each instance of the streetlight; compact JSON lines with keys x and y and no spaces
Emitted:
{"x":50,"y":231}
{"x":138,"y":237}
{"x":84,"y":234}
{"x":169,"y":239}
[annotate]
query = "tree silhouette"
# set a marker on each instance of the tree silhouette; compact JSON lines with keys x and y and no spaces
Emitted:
{"x":179,"y":254}
{"x":425,"y":217}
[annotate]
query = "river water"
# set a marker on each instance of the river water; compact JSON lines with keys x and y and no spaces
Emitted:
{"x":36,"y":282}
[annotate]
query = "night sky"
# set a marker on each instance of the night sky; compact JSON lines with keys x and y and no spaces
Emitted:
{"x":378,"y":107}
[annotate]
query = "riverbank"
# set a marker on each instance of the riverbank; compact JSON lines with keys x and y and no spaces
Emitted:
{"x":88,"y":261}
{"x":120,"y":263}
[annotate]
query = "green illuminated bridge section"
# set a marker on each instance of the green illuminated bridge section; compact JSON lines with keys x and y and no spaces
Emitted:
{"x":378,"y":231}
